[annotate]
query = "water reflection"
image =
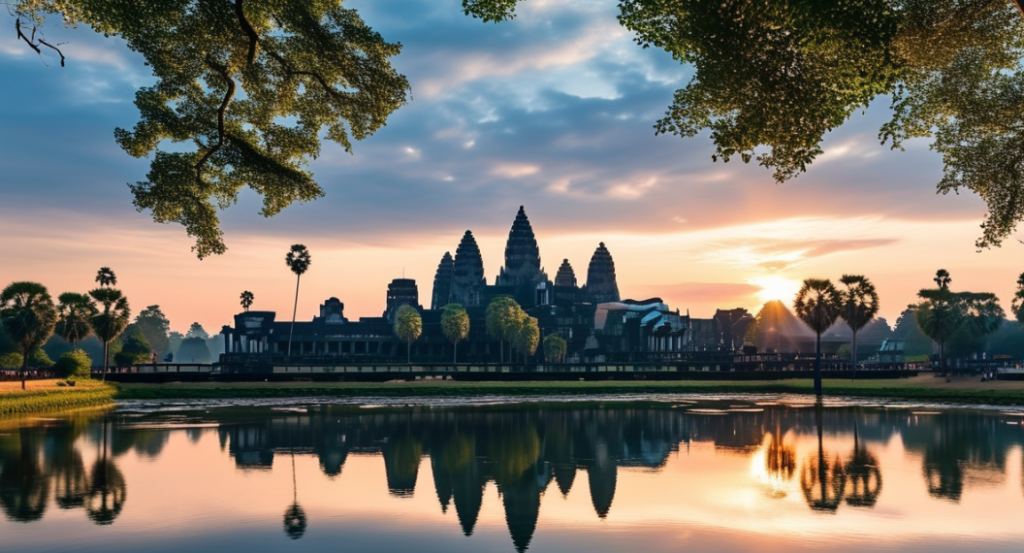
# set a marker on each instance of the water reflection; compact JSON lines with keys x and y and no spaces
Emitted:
{"x":528,"y":454}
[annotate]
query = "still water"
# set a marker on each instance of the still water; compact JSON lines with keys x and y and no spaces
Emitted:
{"x":725,"y":475}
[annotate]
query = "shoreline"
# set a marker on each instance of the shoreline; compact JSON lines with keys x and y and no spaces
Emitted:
{"x":921,"y":388}
{"x":44,"y":396}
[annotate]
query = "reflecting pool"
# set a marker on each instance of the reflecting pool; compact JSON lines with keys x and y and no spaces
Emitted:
{"x":724,"y":475}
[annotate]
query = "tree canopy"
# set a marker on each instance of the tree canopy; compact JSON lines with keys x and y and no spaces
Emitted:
{"x":29,"y":317}
{"x":246,"y":88}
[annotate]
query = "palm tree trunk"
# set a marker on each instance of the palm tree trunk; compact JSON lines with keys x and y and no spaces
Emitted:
{"x":103,"y":376}
{"x":854,"y":356}
{"x":295,"y":310}
{"x":24,"y":367}
{"x":501,"y":352}
{"x":455,"y":356}
{"x":817,"y":366}
{"x":408,"y":352}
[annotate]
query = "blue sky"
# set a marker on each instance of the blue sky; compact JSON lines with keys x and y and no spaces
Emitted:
{"x":554,"y":111}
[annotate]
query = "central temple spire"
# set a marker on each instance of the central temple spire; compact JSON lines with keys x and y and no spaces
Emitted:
{"x":522,"y":256}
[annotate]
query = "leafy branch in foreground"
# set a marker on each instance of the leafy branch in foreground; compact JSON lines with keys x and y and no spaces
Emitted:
{"x":250,"y":84}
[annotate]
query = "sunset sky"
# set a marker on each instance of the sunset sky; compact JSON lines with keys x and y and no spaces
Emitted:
{"x":553,"y":111}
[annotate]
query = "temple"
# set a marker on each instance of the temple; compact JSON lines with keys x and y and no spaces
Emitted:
{"x":595,"y":321}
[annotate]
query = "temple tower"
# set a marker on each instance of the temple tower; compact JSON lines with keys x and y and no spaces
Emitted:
{"x":522,"y":256}
{"x":443,"y":282}
{"x":601,"y":286}
{"x":401,"y":291}
{"x":468,"y":272}
{"x":566,"y":276}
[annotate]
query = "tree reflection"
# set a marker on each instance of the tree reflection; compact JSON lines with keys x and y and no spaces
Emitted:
{"x":294,"y":516}
{"x":823,"y":482}
{"x":24,"y":486}
{"x":108,"y":489}
{"x":779,"y":463}
{"x":864,"y":474}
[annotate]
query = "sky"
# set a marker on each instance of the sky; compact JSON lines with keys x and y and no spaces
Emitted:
{"x":553,"y":111}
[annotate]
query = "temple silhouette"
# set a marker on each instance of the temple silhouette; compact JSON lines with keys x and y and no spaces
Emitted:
{"x":596,"y":322}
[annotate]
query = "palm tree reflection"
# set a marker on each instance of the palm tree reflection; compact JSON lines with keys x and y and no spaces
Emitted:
{"x":779,"y":463}
{"x":865,"y":476}
{"x":24,"y":486}
{"x":294,"y":516}
{"x":823,"y":482}
{"x":108,"y":489}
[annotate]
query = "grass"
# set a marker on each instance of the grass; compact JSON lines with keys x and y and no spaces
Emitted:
{"x":44,"y":396}
{"x":921,"y":388}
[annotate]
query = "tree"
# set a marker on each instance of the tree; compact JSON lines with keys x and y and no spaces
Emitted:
{"x":408,"y":326}
{"x":247,"y":298}
{"x":939,"y":316}
{"x":154,"y":326}
{"x":106,"y":277}
{"x":554,"y":348}
{"x":769,"y":79}
{"x":252,"y":86}
{"x":527,"y":336}
{"x":111,"y":319}
{"x":502,"y":319}
{"x":136,"y":349}
{"x":28,"y":316}
{"x":983,"y":315}
{"x":298,"y":260}
{"x":1018,"y":301}
{"x":196,"y":330}
{"x":74,"y":311}
{"x":818,"y":304}
{"x":455,"y":326}
{"x":860,"y":305}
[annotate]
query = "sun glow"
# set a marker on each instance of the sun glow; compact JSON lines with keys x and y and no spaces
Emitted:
{"x":776,"y":288}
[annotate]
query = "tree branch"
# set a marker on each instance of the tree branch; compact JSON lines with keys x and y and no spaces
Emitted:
{"x":319,"y":78}
{"x":32,"y":43}
{"x":247,"y":28}
{"x":221,"y":111}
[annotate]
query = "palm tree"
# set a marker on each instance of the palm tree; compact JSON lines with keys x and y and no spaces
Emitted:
{"x":818,"y":304}
{"x":106,"y":277}
{"x":554,"y":348}
{"x":247,"y":297}
{"x":75,"y":310}
{"x":111,"y":319}
{"x":821,"y":477}
{"x":860,"y":305}
{"x":503,"y":319}
{"x":455,"y":325}
{"x":1018,"y":300}
{"x":298,"y":260}
{"x":408,"y":326}
{"x":29,"y":316}
{"x":940,"y":314}
{"x":108,"y":489}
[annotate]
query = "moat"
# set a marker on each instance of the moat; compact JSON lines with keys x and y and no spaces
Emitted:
{"x":710,"y":475}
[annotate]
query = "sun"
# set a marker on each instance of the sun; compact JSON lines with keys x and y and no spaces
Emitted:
{"x":776,"y":288}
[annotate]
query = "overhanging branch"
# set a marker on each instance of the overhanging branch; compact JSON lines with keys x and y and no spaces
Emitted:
{"x":221,"y":113}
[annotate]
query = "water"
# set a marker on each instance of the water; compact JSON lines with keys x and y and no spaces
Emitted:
{"x":718,"y":475}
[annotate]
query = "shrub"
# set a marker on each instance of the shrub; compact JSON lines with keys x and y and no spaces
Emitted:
{"x":10,"y":360}
{"x":74,"y":364}
{"x":40,"y":360}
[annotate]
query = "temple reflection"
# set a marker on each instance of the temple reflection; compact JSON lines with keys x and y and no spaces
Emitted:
{"x":830,"y":455}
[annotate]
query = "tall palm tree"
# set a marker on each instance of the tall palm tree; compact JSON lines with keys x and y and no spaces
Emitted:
{"x":298,"y":260}
{"x":74,"y":312}
{"x":106,"y":277}
{"x":247,"y":298}
{"x":111,"y":319}
{"x":29,"y":316}
{"x":860,"y":305}
{"x":818,"y":304}
{"x":940,"y":314}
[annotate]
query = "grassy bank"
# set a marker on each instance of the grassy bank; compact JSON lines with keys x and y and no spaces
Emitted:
{"x":922,"y":388}
{"x":44,"y":396}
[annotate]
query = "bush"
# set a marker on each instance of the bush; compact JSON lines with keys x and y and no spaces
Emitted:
{"x":39,"y":360}
{"x":74,"y":364}
{"x":10,"y":360}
